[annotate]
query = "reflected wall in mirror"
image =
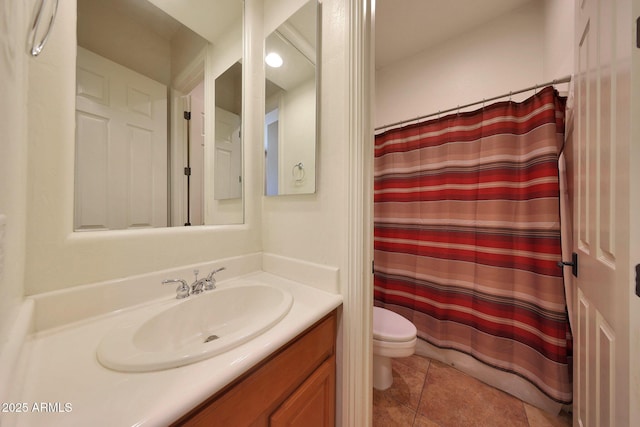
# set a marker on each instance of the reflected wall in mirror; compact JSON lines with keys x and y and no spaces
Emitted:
{"x":145,"y":101}
{"x":228,"y":183}
{"x":227,"y":153}
{"x":291,"y":113}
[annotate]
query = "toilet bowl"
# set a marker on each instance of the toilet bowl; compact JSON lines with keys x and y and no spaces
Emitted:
{"x":393,"y":336}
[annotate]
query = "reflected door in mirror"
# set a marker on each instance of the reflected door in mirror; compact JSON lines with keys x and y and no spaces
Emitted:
{"x":121,"y":147}
{"x":228,"y":168}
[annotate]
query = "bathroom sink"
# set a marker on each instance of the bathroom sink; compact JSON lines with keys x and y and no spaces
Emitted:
{"x":194,"y":329}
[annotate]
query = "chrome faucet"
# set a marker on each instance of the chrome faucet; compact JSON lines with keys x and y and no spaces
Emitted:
{"x":198,"y":286}
{"x":211,"y":281}
{"x":182,"y":291}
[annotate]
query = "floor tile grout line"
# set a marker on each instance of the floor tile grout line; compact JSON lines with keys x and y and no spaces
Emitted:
{"x":406,"y":404}
{"x":424,"y":386}
{"x":526,"y":414}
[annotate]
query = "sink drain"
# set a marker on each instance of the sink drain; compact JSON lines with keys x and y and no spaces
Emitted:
{"x":211,"y":338}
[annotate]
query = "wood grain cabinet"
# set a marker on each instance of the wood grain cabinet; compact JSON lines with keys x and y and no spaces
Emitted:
{"x":293,"y":387}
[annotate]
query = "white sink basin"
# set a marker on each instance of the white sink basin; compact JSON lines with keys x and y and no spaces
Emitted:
{"x":195,"y":328}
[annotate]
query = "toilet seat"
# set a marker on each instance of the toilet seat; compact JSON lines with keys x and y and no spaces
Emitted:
{"x":391,"y":327}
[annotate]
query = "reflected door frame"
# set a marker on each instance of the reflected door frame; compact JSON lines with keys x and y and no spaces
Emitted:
{"x":182,"y":86}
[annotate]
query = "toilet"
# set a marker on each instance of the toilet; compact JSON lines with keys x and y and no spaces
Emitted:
{"x":393,"y":336}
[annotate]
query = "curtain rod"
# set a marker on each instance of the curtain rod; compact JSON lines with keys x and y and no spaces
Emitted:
{"x":565,"y":79}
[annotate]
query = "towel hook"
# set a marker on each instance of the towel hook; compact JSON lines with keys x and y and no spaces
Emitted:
{"x":36,"y":48}
{"x":298,"y":172}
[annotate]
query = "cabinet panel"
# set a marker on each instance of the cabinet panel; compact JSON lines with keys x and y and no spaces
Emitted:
{"x":313,"y":404}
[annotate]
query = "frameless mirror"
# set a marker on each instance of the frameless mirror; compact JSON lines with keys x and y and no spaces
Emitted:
{"x":227,"y":153}
{"x":291,"y":113}
{"x":149,"y":77}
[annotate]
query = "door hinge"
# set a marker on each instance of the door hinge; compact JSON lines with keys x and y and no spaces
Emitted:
{"x":638,"y":279}
{"x":373,"y":267}
{"x":187,"y":115}
{"x":573,"y":264}
{"x":187,"y":171}
{"x":638,"y":32}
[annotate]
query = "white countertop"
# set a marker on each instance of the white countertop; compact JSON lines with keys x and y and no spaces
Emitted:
{"x":61,"y":369}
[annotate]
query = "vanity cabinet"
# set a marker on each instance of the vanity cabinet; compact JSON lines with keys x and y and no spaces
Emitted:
{"x":293,"y":387}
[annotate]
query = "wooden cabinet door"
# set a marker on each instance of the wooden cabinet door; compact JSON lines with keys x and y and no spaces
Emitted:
{"x":313,"y":403}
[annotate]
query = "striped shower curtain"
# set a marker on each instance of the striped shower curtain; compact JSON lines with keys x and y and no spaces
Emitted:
{"x":467,"y":236}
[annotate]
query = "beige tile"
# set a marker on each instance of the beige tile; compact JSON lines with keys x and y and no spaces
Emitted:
{"x":387,"y":412}
{"x":539,"y":418}
{"x":453,"y":399}
{"x":422,"y":421}
{"x":415,"y":362}
{"x":450,"y":398}
{"x":407,"y":386}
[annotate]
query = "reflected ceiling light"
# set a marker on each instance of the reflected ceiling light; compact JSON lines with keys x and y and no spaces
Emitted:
{"x":273,"y":60}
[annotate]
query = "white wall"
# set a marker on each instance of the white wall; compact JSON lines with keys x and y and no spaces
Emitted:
{"x":186,"y":46}
{"x":14,"y":23}
{"x":106,"y":31}
{"x":111,"y":33}
{"x":222,"y":56}
{"x":56,"y":256}
{"x":558,"y":38}
{"x":313,"y":227}
{"x":306,"y":227}
{"x":529,"y":45}
{"x":503,"y":55}
{"x":310,"y":228}
{"x":298,"y":138}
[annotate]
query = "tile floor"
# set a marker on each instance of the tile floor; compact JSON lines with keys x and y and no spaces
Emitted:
{"x":427,"y":393}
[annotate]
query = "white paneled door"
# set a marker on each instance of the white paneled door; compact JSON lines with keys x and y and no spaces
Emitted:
{"x":602,"y":158}
{"x":121,"y":147}
{"x":228,"y":157}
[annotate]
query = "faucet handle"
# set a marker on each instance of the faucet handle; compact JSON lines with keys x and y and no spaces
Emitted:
{"x":211,"y":281}
{"x":182,"y":291}
{"x":214,"y":272}
{"x":198,"y":285}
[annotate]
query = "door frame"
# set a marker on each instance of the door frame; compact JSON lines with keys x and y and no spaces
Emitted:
{"x":181,"y":86}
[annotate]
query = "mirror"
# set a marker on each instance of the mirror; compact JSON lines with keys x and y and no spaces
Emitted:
{"x":291,"y":113}
{"x":150,"y":75}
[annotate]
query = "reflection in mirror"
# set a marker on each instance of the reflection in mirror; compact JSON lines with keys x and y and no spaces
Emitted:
{"x":227,"y":189}
{"x":228,"y":173}
{"x":143,"y":102}
{"x":291,"y":54}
